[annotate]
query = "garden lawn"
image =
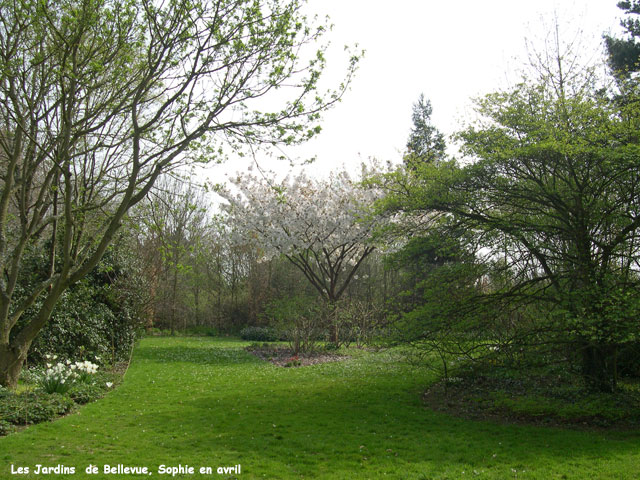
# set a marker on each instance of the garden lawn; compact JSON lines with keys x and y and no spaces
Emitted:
{"x":207,"y":402}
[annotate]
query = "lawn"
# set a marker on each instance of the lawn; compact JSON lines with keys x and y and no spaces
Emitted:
{"x":205,"y":402}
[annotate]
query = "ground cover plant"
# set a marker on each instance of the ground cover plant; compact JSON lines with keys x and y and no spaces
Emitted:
{"x":208,"y":402}
{"x":45,"y":393}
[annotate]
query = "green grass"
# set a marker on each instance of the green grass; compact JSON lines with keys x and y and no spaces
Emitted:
{"x":207,"y":402}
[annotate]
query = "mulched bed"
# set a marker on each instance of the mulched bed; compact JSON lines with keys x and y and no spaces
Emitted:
{"x":283,"y":356}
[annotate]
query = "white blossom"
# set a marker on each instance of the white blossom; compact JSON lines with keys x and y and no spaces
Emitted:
{"x":323,"y":226}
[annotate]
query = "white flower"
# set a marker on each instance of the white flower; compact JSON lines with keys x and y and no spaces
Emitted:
{"x":109,"y":384}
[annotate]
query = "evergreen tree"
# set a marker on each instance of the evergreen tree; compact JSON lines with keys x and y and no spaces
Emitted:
{"x":426,"y":144}
{"x":624,"y":54}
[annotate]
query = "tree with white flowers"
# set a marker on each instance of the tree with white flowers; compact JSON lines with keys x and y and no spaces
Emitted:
{"x":323,"y":227}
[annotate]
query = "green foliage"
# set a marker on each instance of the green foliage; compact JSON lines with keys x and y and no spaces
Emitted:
{"x":301,"y":319}
{"x":33,"y":407}
{"x":547,"y":395}
{"x":260,"y":334}
{"x":82,"y":392}
{"x":98,"y":317}
{"x":533,"y":239}
{"x":203,"y":331}
{"x":6,"y":428}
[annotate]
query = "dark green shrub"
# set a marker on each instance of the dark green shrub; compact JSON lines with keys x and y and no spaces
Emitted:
{"x":33,"y":407}
{"x":259,"y":334}
{"x":629,"y":359}
{"x":331,"y":347}
{"x":82,"y":393}
{"x":5,"y":428}
{"x":300,"y":318}
{"x":98,"y":316}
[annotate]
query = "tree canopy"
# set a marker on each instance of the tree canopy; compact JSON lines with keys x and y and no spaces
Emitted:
{"x":323,"y":227}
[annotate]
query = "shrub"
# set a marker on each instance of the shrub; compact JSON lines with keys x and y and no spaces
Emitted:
{"x":33,"y":407}
{"x":331,"y":347}
{"x":300,"y":318}
{"x":82,"y":393}
{"x":259,"y":334}
{"x":98,"y":316}
{"x":5,"y":428}
{"x":202,"y":331}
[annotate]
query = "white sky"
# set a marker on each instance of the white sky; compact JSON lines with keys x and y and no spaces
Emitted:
{"x":450,"y":51}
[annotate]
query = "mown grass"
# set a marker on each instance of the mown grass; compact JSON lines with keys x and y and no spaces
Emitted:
{"x":207,"y":402}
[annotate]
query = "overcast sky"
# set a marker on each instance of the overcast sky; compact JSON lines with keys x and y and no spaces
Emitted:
{"x":450,"y":51}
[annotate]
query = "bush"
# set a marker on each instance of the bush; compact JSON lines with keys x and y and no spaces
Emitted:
{"x":33,"y":407}
{"x":99,"y":316}
{"x":82,"y":393}
{"x":5,"y":428}
{"x":629,"y":359}
{"x":331,"y":347}
{"x":202,"y":331}
{"x":259,"y":334}
{"x":301,"y":319}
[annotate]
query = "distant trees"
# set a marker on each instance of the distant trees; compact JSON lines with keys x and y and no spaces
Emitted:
{"x":176,"y":225}
{"x":99,"y":97}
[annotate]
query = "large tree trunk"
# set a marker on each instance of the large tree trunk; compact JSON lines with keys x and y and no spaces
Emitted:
{"x":11,"y":361}
{"x":13,"y":352}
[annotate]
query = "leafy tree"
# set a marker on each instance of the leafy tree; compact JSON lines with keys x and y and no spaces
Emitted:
{"x":99,"y":97}
{"x":552,"y":191}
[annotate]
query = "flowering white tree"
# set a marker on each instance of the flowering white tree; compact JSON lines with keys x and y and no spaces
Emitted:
{"x":323,"y":227}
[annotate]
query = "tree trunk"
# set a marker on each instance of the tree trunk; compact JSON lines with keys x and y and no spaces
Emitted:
{"x":13,"y":352}
{"x":11,"y":361}
{"x":174,"y":289}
